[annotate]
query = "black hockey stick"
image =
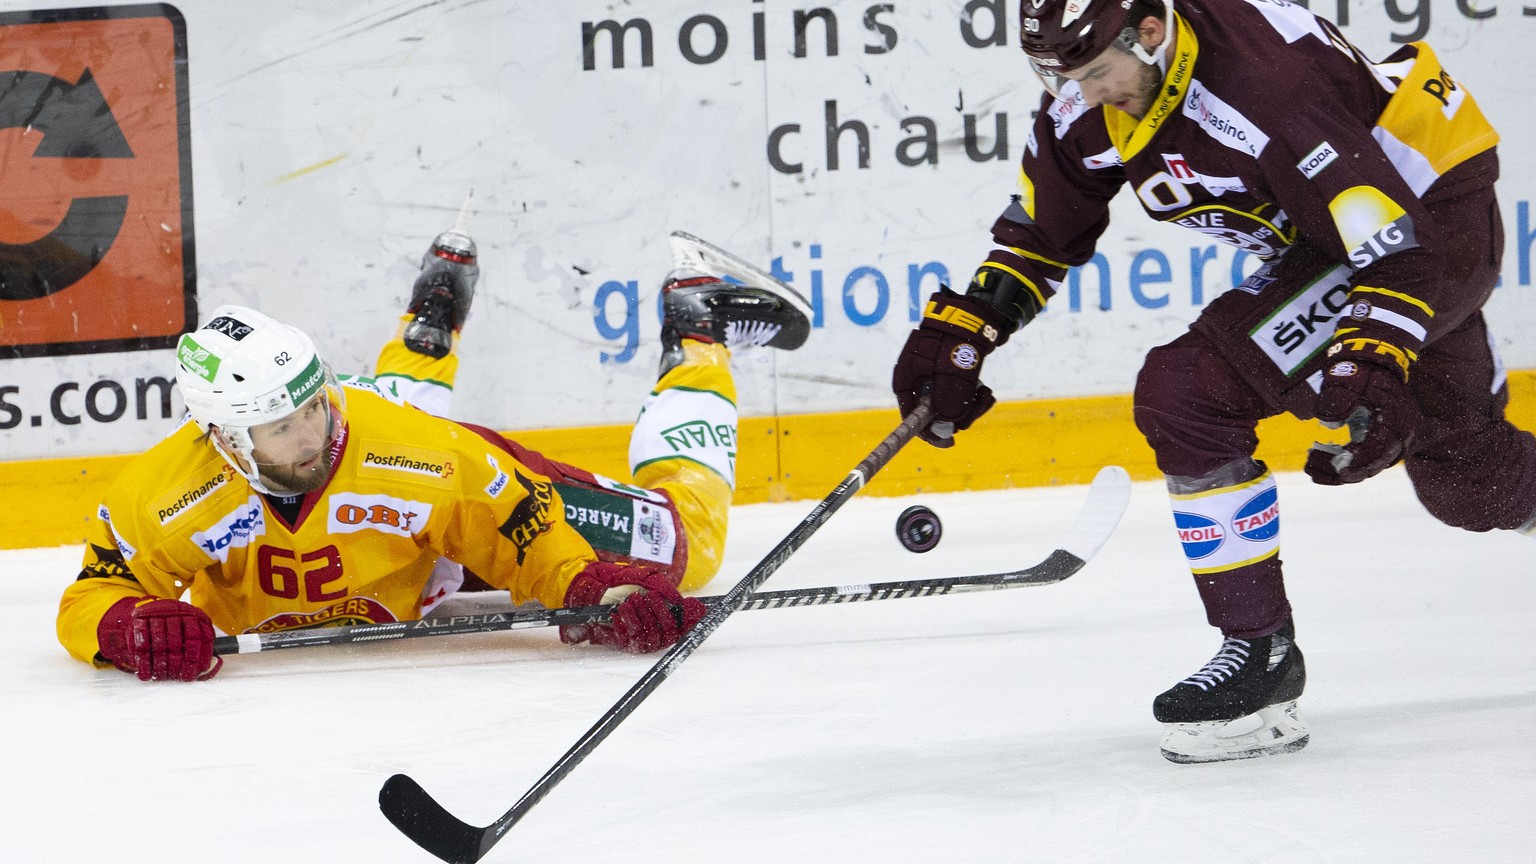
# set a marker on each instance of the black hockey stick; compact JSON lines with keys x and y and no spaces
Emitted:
{"x":1101,"y":512}
{"x":419,"y":816}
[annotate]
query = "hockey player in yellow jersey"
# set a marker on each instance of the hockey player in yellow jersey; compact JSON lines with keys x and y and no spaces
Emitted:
{"x":290,"y":499}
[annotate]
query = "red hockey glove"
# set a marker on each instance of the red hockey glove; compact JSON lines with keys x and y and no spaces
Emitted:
{"x":1365,"y":385}
{"x":650,"y":616}
{"x":160,"y":640}
{"x":942,"y":358}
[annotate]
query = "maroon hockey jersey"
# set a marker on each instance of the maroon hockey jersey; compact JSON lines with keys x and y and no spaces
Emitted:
{"x":1270,"y":129}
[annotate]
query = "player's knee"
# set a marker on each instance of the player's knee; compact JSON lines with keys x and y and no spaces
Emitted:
{"x":1457,"y":498}
{"x":1165,"y":390}
{"x":1191,"y":416}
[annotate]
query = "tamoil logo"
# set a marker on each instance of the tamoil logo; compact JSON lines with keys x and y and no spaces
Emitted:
{"x":1259,"y":519}
{"x":1201,"y":535}
{"x":96,"y":232}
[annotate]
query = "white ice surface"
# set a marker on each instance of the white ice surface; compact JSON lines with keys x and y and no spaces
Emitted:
{"x":1001,"y":726}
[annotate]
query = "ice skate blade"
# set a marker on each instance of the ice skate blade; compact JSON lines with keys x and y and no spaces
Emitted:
{"x":1273,"y":730}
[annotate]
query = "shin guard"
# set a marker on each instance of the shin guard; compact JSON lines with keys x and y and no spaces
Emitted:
{"x":1230,"y":532}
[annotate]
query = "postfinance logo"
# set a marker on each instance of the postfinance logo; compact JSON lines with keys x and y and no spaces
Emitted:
{"x":419,"y":462}
{"x":94,"y":124}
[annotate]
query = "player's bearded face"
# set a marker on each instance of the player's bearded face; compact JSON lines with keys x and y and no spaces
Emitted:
{"x":294,"y":454}
{"x":1116,"y":78}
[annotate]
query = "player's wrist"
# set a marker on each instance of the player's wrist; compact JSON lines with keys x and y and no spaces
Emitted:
{"x":966,"y":319}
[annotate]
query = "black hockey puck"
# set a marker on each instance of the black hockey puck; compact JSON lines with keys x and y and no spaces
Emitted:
{"x":918,"y":529}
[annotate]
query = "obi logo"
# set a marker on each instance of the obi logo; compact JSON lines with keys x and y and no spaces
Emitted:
{"x":351,"y":513}
{"x":1201,"y":535}
{"x":244,"y":524}
{"x":96,"y":245}
{"x":1259,"y":519}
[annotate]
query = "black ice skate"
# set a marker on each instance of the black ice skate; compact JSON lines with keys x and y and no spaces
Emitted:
{"x":1240,"y":705}
{"x":443,"y":291}
{"x":756,"y":310}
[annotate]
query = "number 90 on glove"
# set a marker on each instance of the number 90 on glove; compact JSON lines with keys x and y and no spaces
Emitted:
{"x":942,"y":360}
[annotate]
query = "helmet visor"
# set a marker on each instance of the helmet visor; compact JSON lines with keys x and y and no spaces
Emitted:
{"x":1050,"y":77}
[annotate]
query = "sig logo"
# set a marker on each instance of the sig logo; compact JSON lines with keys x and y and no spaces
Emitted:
{"x":1200,"y":535}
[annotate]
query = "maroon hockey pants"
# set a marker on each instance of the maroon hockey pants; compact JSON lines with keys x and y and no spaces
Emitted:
{"x":1199,"y":398}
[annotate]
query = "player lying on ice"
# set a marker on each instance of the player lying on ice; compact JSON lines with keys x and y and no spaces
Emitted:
{"x":1367,"y":190}
{"x":290,"y":500}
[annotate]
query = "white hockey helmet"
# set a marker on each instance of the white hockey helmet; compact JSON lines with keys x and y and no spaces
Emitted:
{"x":243,"y":369}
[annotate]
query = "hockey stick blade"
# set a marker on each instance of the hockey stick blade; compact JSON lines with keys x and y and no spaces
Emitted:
{"x":419,"y":817}
{"x":410,"y":809}
{"x":1101,"y":512}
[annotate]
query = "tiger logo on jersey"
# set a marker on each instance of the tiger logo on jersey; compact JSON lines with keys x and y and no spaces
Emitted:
{"x":350,"y":612}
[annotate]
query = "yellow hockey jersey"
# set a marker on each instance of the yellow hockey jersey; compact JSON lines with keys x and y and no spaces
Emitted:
{"x":406,"y":489}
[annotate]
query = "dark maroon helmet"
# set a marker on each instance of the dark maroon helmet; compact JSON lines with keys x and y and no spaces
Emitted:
{"x":1062,"y":35}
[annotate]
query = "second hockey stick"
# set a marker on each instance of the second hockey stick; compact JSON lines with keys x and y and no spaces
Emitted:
{"x":1106,"y":502}
{"x":418,"y":815}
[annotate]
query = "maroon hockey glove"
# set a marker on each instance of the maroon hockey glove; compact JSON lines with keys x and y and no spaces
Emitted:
{"x":942,"y":358}
{"x":160,"y":640}
{"x":649,"y":618}
{"x":1365,"y":385}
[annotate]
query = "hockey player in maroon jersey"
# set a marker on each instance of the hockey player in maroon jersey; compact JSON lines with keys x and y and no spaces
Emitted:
{"x":1366,"y":189}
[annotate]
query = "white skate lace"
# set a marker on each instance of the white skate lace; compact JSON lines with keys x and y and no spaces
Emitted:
{"x":1231,"y":657}
{"x":741,"y":334}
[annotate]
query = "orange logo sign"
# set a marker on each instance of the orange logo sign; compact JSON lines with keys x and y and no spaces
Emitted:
{"x":96,"y":225}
